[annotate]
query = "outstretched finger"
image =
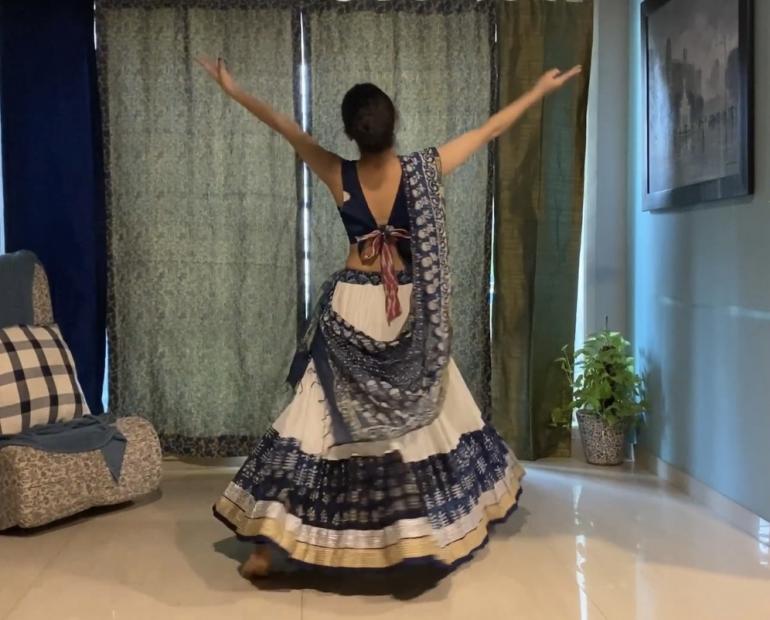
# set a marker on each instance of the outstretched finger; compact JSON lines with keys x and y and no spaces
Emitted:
{"x":207,"y":64}
{"x":568,"y":75}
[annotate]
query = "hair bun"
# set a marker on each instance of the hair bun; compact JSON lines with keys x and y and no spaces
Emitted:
{"x":369,"y":117}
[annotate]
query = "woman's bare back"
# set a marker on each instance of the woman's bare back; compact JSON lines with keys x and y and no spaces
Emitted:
{"x":380,"y":179}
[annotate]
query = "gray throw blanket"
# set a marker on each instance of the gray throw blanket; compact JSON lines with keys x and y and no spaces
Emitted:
{"x":17,"y":272}
{"x":79,"y":435}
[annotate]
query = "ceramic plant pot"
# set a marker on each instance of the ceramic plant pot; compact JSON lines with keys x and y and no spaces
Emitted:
{"x":603,"y":444}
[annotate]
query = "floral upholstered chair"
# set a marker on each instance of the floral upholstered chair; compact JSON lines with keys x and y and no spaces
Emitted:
{"x":39,"y":486}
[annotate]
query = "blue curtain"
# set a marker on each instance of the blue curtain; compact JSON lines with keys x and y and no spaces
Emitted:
{"x":53,"y":181}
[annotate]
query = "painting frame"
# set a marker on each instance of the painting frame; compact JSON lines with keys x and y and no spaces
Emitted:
{"x":735,"y":185}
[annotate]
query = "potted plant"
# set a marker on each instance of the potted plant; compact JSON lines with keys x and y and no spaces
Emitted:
{"x":606,"y":393}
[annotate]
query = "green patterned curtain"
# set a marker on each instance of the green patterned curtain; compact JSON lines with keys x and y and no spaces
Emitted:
{"x":201,"y":220}
{"x":539,"y":203}
{"x":435,"y":59}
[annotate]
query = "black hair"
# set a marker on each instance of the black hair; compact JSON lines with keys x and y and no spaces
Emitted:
{"x":369,"y":117}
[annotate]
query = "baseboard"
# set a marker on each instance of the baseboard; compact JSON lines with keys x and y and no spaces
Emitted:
{"x":190,"y":464}
{"x":723,"y":507}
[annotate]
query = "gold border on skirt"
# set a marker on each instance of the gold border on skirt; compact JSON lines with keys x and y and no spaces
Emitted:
{"x":381,"y":557}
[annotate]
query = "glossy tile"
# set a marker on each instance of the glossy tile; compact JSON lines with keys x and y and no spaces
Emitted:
{"x":23,"y":558}
{"x":166,"y":559}
{"x":586,"y":544}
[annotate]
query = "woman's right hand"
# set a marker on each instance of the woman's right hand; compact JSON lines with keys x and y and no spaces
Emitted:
{"x":218,"y":71}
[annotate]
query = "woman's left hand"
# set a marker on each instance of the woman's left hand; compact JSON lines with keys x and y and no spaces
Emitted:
{"x":218,"y":71}
{"x":554,"y":79}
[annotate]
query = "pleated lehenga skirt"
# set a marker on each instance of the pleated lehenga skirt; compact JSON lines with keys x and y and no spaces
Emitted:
{"x":429,"y":496}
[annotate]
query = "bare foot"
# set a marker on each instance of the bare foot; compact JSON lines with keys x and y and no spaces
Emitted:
{"x":258,"y":564}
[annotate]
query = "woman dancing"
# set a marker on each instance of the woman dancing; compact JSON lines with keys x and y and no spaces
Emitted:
{"x":382,"y":458}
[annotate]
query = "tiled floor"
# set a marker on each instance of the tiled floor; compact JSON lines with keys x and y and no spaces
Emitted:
{"x":586,"y":543}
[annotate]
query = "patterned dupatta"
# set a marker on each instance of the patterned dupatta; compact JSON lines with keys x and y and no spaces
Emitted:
{"x":381,"y":390}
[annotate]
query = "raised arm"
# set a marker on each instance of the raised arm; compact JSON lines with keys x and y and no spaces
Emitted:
{"x":458,"y":150}
{"x":326,"y":165}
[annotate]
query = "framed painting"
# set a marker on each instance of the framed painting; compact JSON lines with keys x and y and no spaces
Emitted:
{"x":697,"y":77}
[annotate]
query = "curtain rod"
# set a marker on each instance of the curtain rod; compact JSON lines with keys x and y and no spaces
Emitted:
{"x":418,"y":5}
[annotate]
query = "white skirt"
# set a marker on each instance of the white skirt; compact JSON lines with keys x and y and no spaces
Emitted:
{"x":428,"y":495}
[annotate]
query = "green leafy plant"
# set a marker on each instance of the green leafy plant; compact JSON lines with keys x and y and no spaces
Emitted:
{"x":602,"y":381}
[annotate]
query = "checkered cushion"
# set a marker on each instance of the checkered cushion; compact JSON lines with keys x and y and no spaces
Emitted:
{"x":38,"y":383}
